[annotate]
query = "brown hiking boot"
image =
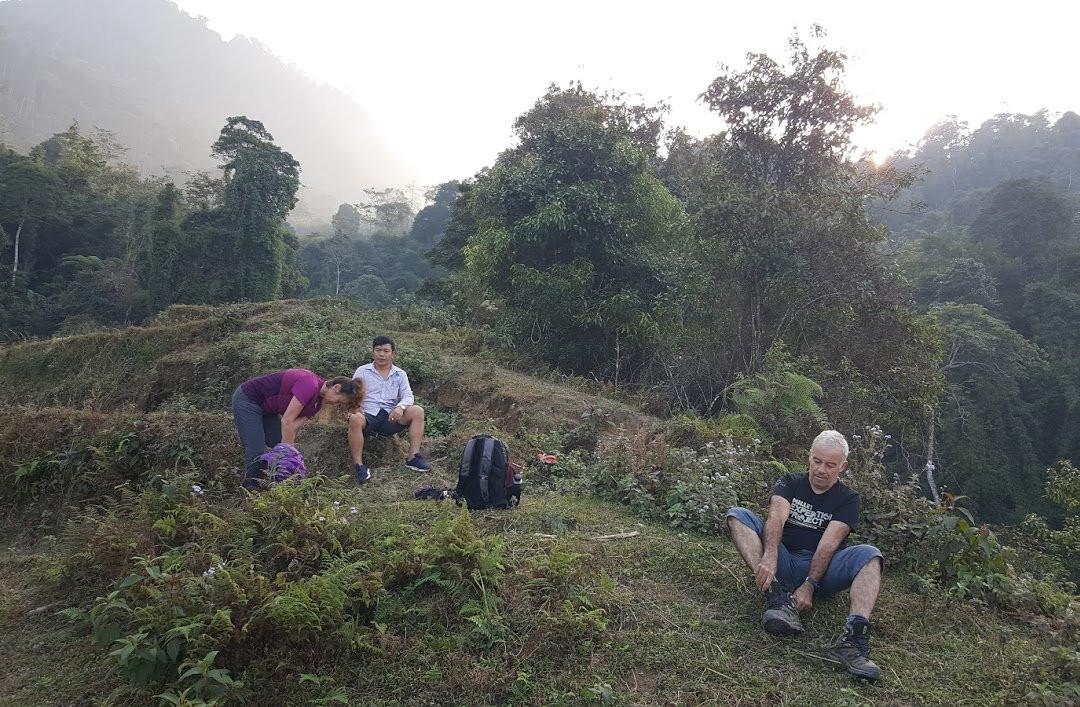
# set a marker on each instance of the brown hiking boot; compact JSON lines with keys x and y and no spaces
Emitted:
{"x":852,"y":650}
{"x":781,"y":618}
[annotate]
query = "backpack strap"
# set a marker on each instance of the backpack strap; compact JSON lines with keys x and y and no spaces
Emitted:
{"x":473,"y":450}
{"x":484,"y":473}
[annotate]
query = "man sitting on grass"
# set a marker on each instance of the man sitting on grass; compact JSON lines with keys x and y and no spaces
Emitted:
{"x":389,"y":408}
{"x":799,"y":552}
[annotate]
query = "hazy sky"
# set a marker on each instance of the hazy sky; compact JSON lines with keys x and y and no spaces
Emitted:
{"x":445,"y":80}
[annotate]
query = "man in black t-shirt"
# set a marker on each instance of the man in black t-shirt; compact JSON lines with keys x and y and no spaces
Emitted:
{"x":800,"y":552}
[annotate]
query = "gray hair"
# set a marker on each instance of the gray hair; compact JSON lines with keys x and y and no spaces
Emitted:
{"x":831,"y":438}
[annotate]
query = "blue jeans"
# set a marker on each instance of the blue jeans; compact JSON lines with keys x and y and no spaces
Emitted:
{"x":792,"y":566}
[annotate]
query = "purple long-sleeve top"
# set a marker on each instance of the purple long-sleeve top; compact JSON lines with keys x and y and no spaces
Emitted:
{"x":274,"y":392}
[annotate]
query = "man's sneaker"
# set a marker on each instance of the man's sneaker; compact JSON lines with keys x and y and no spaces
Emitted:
{"x":417,"y":463}
{"x":852,"y":650}
{"x":781,"y":618}
{"x":362,"y":473}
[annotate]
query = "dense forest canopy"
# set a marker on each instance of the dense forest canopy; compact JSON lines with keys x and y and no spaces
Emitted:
{"x":989,"y":239}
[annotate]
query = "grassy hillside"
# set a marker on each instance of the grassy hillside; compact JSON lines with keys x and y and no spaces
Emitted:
{"x":329,"y":593}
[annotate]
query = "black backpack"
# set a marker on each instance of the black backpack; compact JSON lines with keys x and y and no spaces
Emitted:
{"x":486,"y":476}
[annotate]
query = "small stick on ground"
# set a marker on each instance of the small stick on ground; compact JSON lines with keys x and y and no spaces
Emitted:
{"x":727,"y":677}
{"x":617,"y":536}
{"x":41,"y":609}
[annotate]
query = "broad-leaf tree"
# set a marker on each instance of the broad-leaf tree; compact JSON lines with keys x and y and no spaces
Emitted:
{"x":242,"y":249}
{"x":781,"y":208}
{"x":569,"y":240}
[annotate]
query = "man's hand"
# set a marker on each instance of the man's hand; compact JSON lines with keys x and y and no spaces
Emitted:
{"x":765,"y":572}
{"x":804,"y":596}
{"x":396,"y":414}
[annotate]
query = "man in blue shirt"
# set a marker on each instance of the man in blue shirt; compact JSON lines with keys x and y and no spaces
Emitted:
{"x":800,"y":552}
{"x":389,"y":408}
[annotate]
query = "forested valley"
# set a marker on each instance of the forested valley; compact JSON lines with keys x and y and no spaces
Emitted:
{"x":756,"y":286}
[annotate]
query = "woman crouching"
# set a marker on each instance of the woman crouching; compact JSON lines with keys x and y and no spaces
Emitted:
{"x":269,"y":410}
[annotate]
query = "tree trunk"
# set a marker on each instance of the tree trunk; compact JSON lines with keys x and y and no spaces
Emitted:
{"x":15,"y":262}
{"x":930,"y":457}
{"x":618,"y":357}
{"x":337,"y":285}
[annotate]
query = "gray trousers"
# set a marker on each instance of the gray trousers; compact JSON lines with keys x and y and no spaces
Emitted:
{"x":258,"y":432}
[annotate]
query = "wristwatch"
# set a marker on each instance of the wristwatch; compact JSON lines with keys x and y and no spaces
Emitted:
{"x":813,"y":583}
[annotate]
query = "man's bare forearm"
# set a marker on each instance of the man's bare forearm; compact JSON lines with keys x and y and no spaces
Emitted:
{"x":819,"y":564}
{"x":774,"y":531}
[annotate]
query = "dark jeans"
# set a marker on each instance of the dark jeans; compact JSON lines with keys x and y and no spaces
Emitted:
{"x":380,"y":425}
{"x":258,"y":432}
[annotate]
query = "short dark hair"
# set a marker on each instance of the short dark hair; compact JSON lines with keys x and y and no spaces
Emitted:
{"x":383,"y":339}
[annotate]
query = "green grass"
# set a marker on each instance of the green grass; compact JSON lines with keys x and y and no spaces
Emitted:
{"x":47,"y":660}
{"x":662,"y":617}
{"x":683,"y":629}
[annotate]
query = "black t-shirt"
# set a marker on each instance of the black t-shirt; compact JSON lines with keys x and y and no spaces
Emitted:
{"x":811,"y":512}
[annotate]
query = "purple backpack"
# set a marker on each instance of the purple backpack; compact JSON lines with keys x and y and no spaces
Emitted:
{"x":282,"y":462}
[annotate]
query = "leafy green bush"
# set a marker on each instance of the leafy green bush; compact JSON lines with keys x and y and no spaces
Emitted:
{"x":717,"y":477}
{"x":296,"y":572}
{"x":423,"y":315}
{"x":1063,"y":488}
{"x":438,"y":421}
{"x":781,"y":400}
{"x":972,"y":563}
{"x":895,"y":513}
{"x":688,"y":429}
{"x":693,"y":489}
{"x":206,"y":685}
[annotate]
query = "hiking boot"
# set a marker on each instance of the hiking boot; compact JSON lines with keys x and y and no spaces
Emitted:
{"x":363,"y":474}
{"x":781,"y":618}
{"x":852,"y":650}
{"x":417,"y":463}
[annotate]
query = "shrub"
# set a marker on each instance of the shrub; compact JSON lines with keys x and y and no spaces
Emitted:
{"x":972,"y":563}
{"x":691,"y":489}
{"x":895,"y":514}
{"x":1063,"y":488}
{"x":782,"y":401}
{"x":297,"y":572}
{"x":688,"y":429}
{"x":719,"y":476}
{"x":438,"y":421}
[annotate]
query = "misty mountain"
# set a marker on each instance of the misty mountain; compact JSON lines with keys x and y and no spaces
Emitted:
{"x":164,"y":83}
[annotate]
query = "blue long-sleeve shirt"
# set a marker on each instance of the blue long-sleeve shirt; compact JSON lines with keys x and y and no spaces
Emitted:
{"x":384,"y":393}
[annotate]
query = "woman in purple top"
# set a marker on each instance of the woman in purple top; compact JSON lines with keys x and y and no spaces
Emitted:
{"x":270,"y":409}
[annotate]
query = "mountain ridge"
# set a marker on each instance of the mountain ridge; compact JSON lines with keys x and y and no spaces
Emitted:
{"x":163,"y":83}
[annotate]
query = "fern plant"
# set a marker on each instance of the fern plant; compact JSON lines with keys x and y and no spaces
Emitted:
{"x":782,"y":401}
